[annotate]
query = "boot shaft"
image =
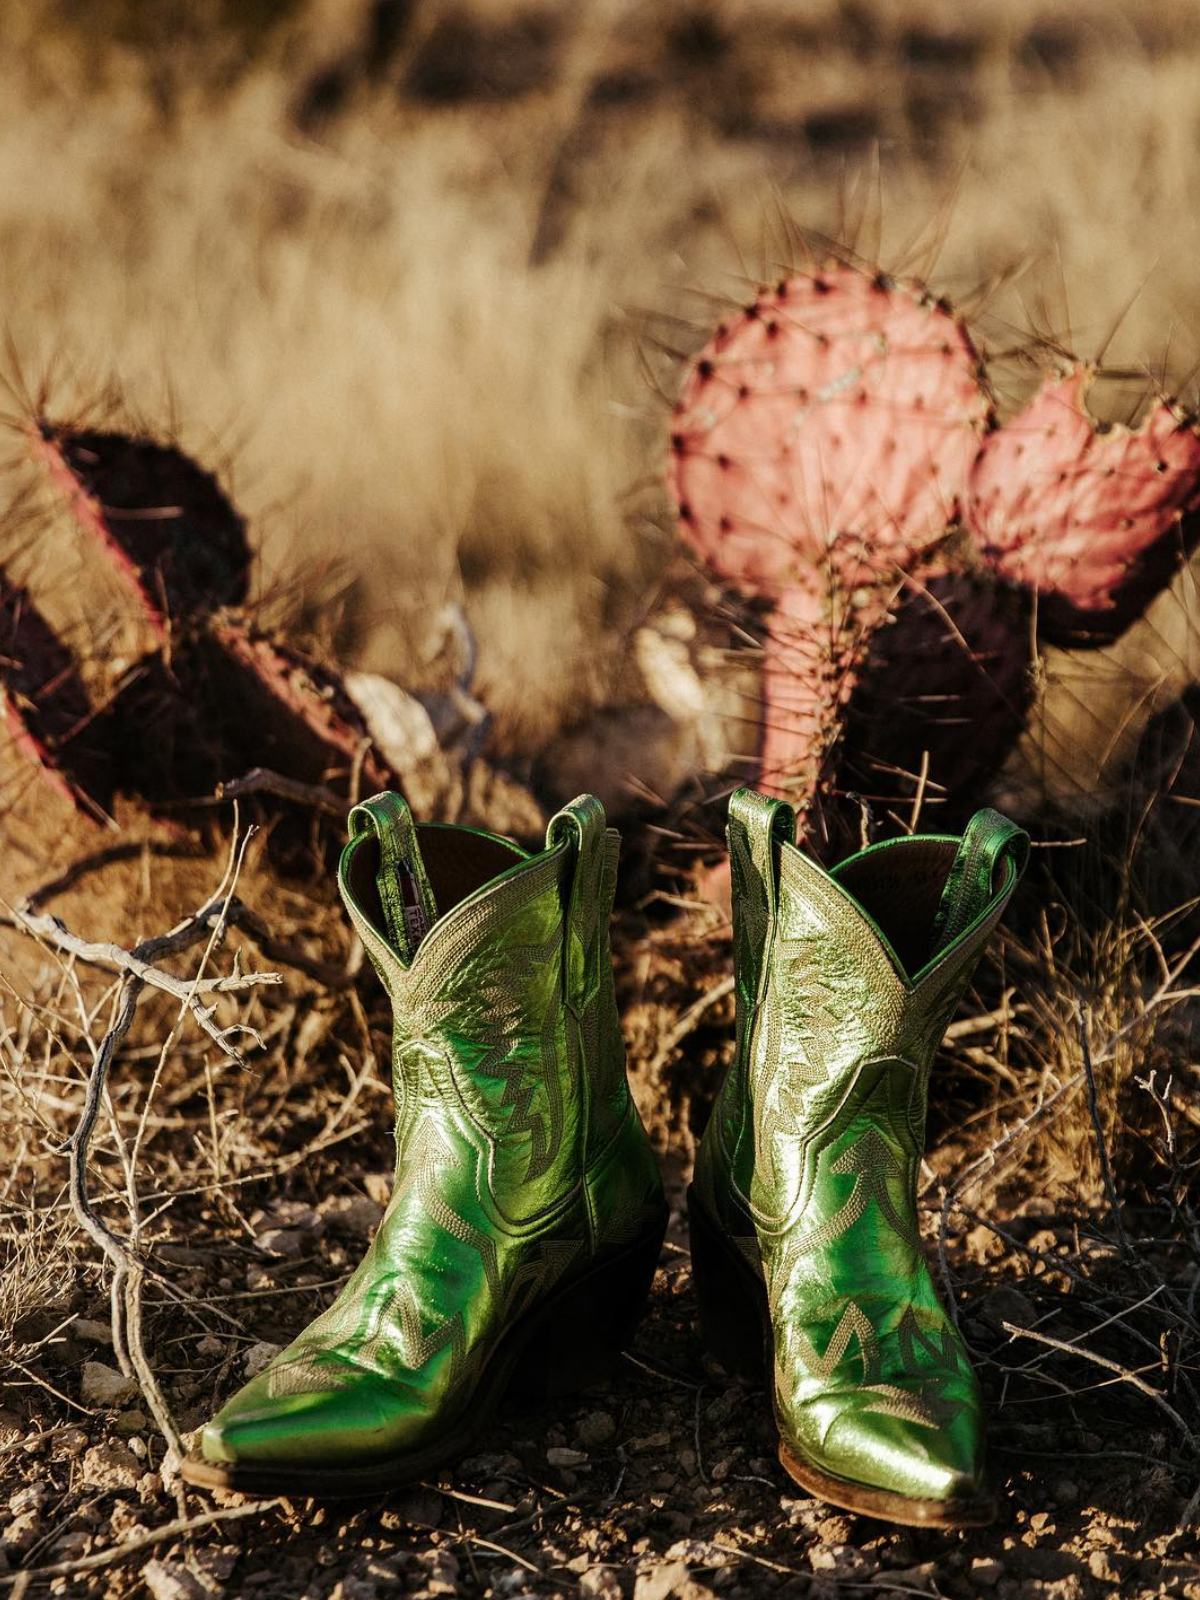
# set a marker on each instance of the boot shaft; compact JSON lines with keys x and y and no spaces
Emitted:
{"x":498,"y":968}
{"x":845,"y":983}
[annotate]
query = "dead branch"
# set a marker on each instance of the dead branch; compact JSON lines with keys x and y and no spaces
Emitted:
{"x":260,"y":780}
{"x":139,"y":969}
{"x":689,"y":1022}
{"x":1124,"y":1373}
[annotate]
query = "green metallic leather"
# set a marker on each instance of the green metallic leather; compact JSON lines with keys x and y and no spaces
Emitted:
{"x":527,"y":1212}
{"x":807,"y":1172}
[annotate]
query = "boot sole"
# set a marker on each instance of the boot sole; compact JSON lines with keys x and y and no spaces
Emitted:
{"x":568,"y":1342}
{"x":736,"y":1326}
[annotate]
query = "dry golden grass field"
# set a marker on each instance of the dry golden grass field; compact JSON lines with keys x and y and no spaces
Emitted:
{"x":418,"y":279}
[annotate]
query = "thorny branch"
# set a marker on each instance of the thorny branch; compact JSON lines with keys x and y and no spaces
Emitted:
{"x":139,"y":968}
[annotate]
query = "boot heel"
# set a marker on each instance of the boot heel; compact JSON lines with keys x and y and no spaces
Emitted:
{"x":580,"y":1333}
{"x":732,"y":1299}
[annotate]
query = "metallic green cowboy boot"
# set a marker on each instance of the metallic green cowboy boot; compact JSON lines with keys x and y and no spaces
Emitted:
{"x":803,"y":1209}
{"x":528,"y":1212}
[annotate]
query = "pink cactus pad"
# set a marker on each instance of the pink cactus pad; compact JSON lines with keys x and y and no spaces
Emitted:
{"x":167,"y":523}
{"x":47,"y":707}
{"x":278,"y":709}
{"x":1077,"y":512}
{"x":834,"y":421}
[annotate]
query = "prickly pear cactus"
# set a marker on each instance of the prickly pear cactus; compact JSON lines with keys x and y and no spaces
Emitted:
{"x":166,"y":523}
{"x":47,"y":706}
{"x":295,"y":716}
{"x":833,"y":451}
{"x":1087,"y":516}
{"x":833,"y":421}
{"x":220,"y":698}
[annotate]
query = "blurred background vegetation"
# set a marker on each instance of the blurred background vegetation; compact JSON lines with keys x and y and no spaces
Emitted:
{"x":417,"y":273}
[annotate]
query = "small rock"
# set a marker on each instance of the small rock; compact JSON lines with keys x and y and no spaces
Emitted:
{"x":441,"y":1571}
{"x":70,"y":1544}
{"x":423,"y":1508}
{"x":95,"y":1332}
{"x":216,"y":1564}
{"x":596,"y":1428}
{"x":259,"y":1357}
{"x":986,"y":1573}
{"x":493,"y":1464}
{"x":104,"y":1386}
{"x":289,"y":1229}
{"x":1102,"y":1567}
{"x":23,"y":1531}
{"x":601,"y":1583}
{"x":287,"y":1243}
{"x":210,"y":1346}
{"x":352,"y":1215}
{"x":833,"y":1529}
{"x":1040,"y":1521}
{"x":662,"y":1583}
{"x":352,"y":1588}
{"x":671,"y":1581}
{"x":561,"y":1456}
{"x":1008,"y":1305}
{"x":132,"y":1421}
{"x":111,"y":1466}
{"x":1065,"y":1491}
{"x":71,"y":1441}
{"x":32,"y":1497}
{"x":171,"y":1580}
{"x":843,"y":1560}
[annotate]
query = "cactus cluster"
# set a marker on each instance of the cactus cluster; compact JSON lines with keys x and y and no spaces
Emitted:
{"x":836,"y":455}
{"x":216,"y":697}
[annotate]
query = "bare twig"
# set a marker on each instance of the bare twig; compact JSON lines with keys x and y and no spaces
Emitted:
{"x":139,"y":962}
{"x":1124,"y":1373}
{"x":689,"y":1021}
{"x":139,"y":968}
{"x":281,"y":950}
{"x":260,"y":780}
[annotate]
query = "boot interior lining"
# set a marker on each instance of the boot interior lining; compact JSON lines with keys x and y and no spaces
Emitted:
{"x":457,"y":863}
{"x":900,"y":889}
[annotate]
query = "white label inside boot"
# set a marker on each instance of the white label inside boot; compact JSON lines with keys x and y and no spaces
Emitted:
{"x":416,"y":919}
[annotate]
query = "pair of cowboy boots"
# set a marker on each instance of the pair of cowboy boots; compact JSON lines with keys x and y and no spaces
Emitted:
{"x":528,"y":1212}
